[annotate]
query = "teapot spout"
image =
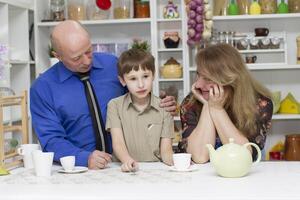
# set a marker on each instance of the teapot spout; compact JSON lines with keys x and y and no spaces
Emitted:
{"x":211,"y":151}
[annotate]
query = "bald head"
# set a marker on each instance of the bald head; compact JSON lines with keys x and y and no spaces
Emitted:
{"x":67,"y":35}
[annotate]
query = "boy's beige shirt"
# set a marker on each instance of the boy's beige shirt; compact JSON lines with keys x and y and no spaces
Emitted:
{"x":142,"y":130}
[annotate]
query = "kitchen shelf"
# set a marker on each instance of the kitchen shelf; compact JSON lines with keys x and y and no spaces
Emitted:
{"x":170,"y":79}
{"x":169,"y":49}
{"x":254,"y":17}
{"x":285,"y":116}
{"x":264,"y":66}
{"x":169,"y":20}
{"x":262,"y":51}
{"x":99,"y":22}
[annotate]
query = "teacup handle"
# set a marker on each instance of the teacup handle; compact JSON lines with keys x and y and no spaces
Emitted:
{"x":267,"y":32}
{"x":20,"y":151}
{"x":257,"y":149}
{"x":254,"y":58}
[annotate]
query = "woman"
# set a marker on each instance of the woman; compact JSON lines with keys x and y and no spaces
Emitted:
{"x":225,"y":102}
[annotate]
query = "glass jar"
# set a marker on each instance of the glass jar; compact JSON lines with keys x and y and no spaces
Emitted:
{"x":141,"y":9}
{"x":76,"y":10}
{"x":244,"y":6}
{"x":94,"y":12}
{"x":294,"y":6}
{"x":57,"y":10}
{"x":122,"y":9}
{"x":268,"y":6}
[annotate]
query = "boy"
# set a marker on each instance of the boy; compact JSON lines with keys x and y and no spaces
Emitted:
{"x":140,"y":129}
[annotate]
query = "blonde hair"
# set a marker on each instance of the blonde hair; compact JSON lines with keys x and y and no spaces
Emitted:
{"x":223,"y":65}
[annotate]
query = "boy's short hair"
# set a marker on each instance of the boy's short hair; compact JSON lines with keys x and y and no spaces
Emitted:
{"x":133,"y":59}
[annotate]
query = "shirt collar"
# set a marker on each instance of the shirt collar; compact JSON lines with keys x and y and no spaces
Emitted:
{"x":128,"y":102}
{"x":64,"y":73}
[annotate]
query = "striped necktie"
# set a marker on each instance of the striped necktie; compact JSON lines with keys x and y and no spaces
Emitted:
{"x":97,"y":121}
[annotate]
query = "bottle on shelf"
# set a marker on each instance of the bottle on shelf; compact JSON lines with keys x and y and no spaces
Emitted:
{"x":255,"y":8}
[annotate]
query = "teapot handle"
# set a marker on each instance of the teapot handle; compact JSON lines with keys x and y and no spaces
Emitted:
{"x":257,"y":149}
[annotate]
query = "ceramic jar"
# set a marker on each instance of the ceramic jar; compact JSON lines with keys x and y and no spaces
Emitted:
{"x":171,"y":39}
{"x":171,"y":69}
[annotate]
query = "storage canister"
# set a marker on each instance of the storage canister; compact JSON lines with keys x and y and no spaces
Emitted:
{"x":76,"y":10}
{"x":141,"y":9}
{"x":268,"y":6}
{"x":294,"y":6}
{"x":122,"y":9}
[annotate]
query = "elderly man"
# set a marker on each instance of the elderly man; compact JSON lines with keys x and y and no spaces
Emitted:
{"x":61,"y":112}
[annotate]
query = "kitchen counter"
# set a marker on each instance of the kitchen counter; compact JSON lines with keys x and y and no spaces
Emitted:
{"x":154,"y":181}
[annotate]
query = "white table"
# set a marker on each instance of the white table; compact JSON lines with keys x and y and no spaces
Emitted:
{"x":154,"y":181}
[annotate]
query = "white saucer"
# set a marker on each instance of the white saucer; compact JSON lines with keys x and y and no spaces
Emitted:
{"x":77,"y":169}
{"x":190,"y":169}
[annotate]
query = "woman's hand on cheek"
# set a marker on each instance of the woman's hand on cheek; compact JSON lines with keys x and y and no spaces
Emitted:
{"x":197,"y":93}
{"x":216,"y":97}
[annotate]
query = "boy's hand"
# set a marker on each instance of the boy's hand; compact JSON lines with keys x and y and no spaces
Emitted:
{"x":130,"y":166}
{"x":169,"y":104}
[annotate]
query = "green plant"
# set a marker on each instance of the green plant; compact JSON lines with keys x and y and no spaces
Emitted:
{"x":140,"y":44}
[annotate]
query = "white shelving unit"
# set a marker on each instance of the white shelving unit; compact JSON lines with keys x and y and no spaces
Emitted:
{"x":277,"y":68}
{"x":14,"y":34}
{"x":123,"y":31}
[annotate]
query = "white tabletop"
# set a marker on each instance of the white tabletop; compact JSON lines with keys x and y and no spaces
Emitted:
{"x":154,"y":181}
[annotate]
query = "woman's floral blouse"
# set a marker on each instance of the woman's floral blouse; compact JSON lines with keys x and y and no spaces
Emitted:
{"x":190,"y":113}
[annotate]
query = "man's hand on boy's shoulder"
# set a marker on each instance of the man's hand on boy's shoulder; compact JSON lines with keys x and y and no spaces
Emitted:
{"x":169,"y":104}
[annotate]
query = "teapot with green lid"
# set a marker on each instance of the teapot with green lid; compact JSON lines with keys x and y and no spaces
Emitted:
{"x":232,"y":160}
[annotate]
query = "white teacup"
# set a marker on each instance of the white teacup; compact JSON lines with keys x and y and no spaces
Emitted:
{"x":25,"y":151}
{"x":182,"y":161}
{"x":68,"y":163}
{"x":42,"y":162}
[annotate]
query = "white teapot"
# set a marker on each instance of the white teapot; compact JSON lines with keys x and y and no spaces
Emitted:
{"x":232,"y":160}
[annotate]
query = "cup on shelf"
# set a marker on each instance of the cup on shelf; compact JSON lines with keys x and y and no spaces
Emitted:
{"x":68,"y":163}
{"x":261,"y":32}
{"x":254,"y":43}
{"x":182,"y":161}
{"x":25,"y":150}
{"x":265,"y":43}
{"x":250,"y":59}
{"x":275,"y":43}
{"x":42,"y":163}
{"x":242,"y":44}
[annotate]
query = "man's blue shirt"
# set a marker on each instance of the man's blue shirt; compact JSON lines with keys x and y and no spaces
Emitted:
{"x":59,"y":109}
